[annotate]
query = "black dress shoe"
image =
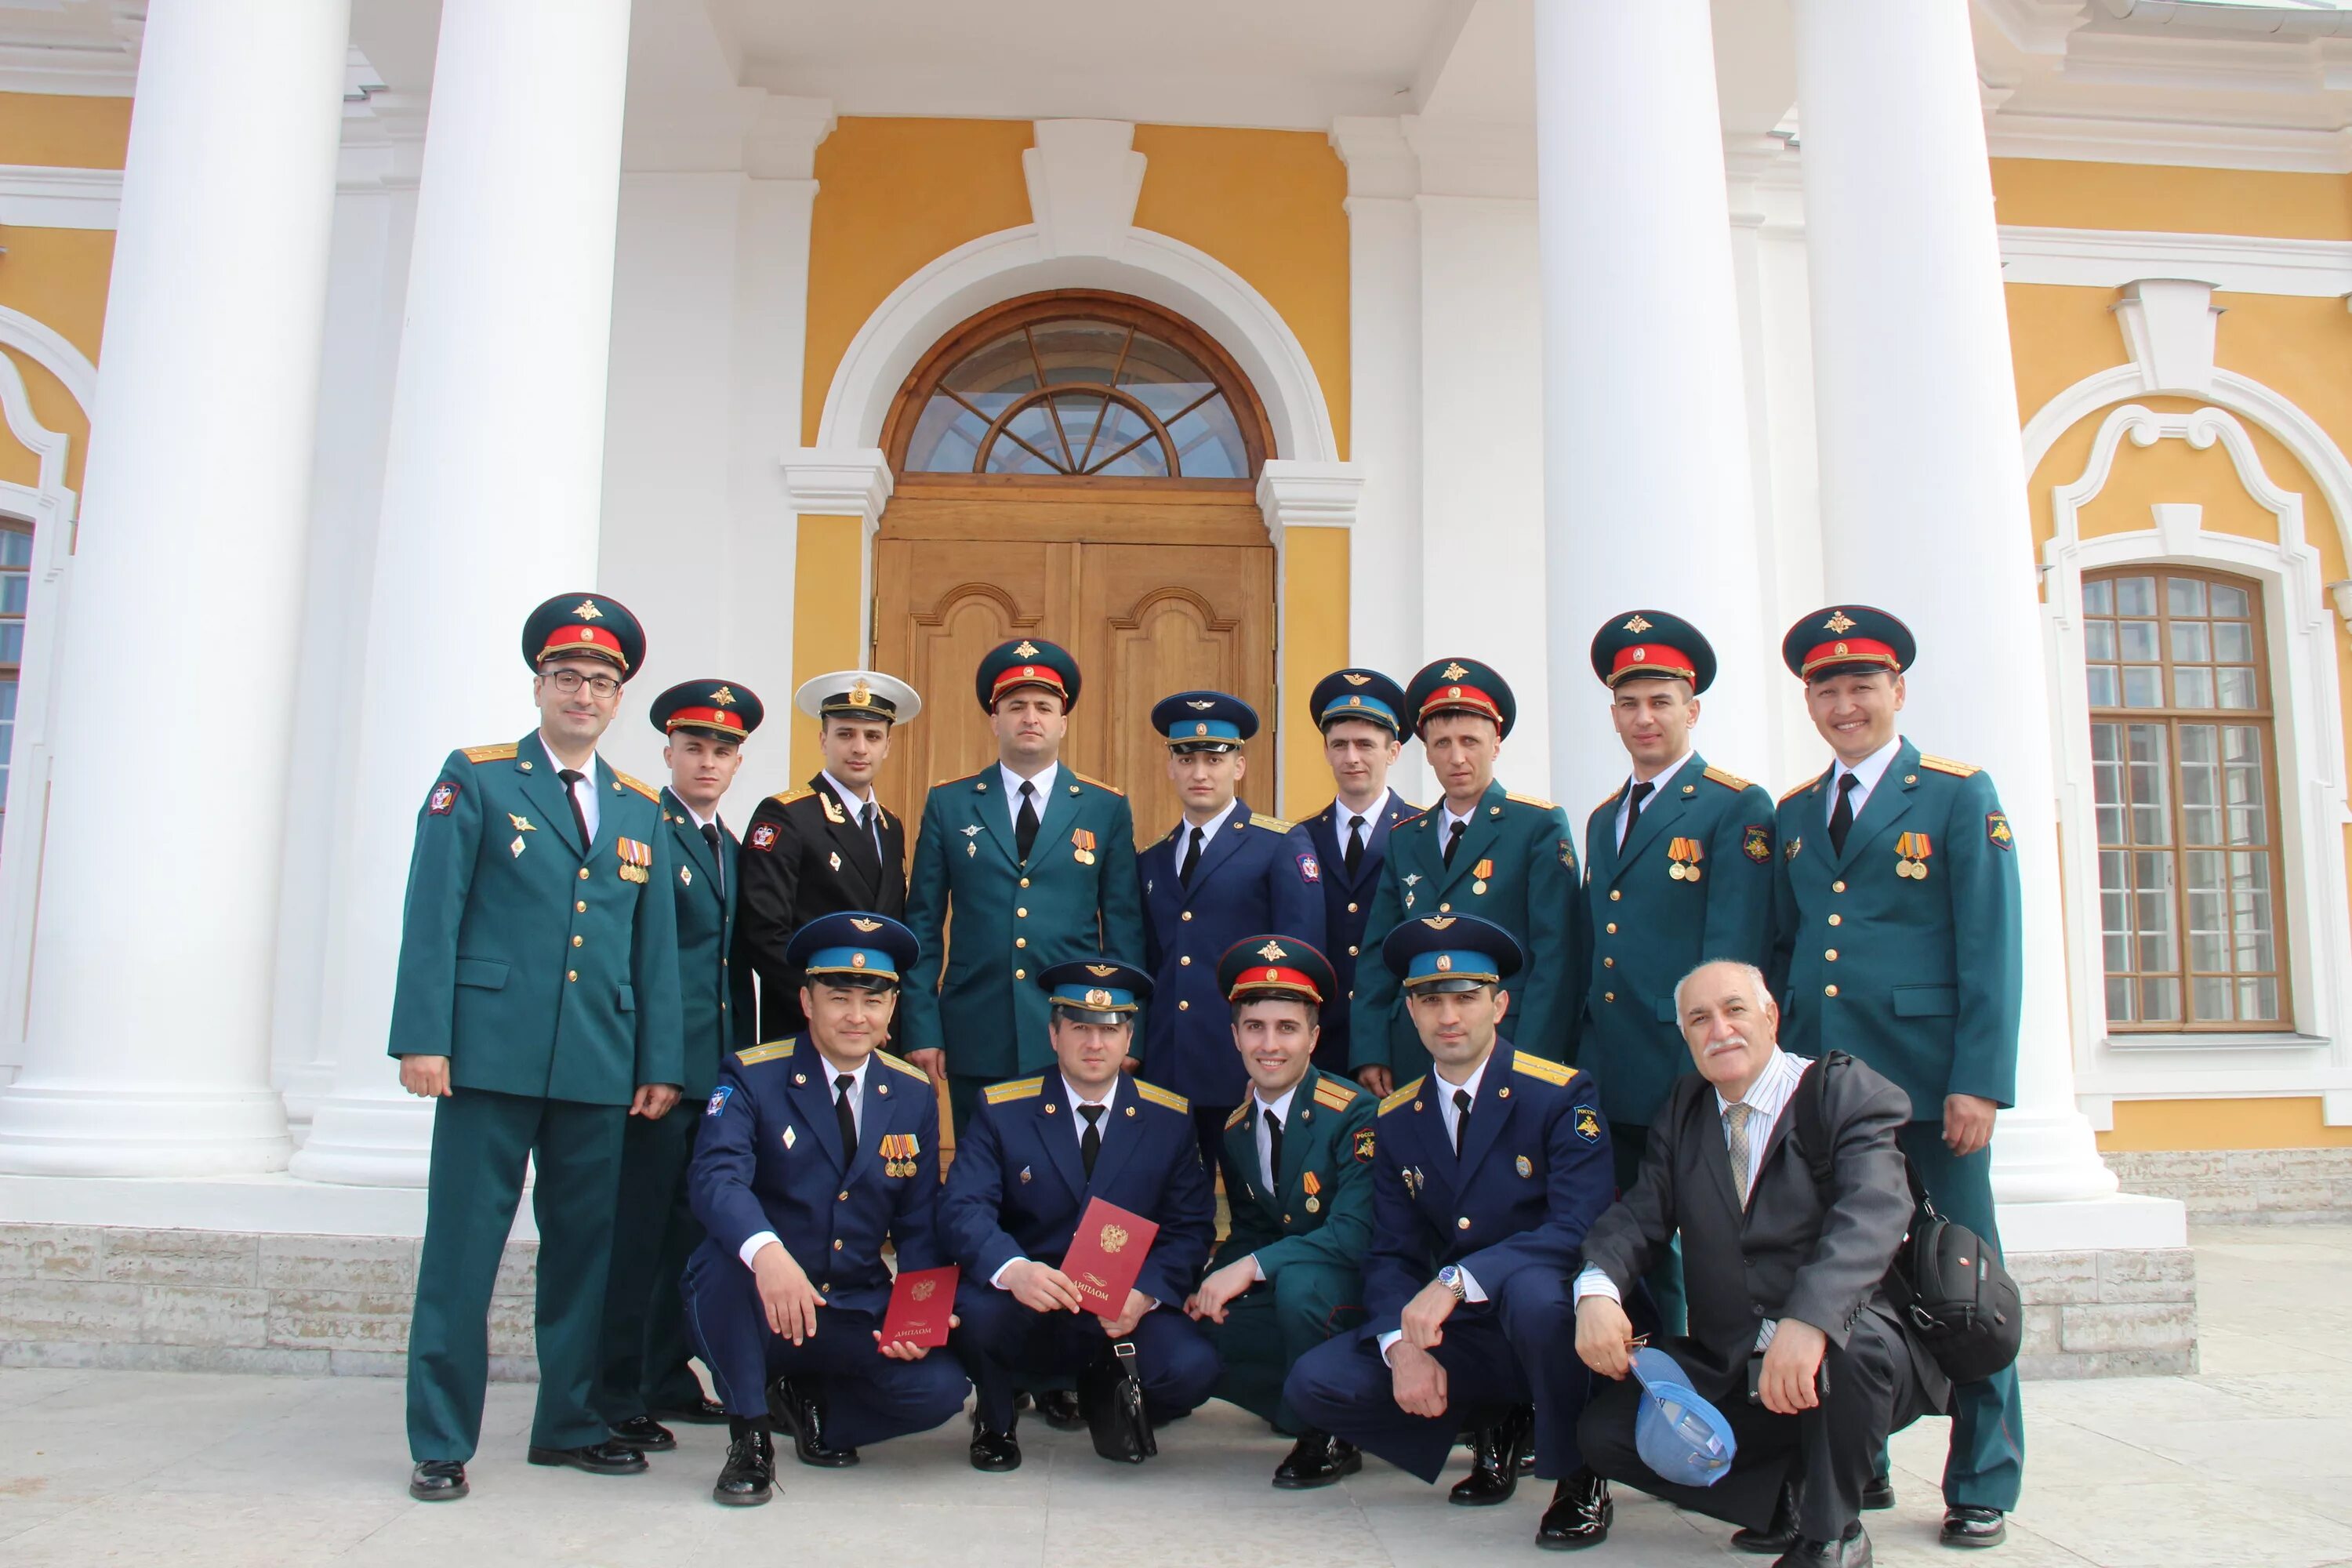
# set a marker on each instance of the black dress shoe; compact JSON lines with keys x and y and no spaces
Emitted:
{"x":797,"y":1409}
{"x":438,"y":1480}
{"x":701,"y":1412}
{"x":1494,"y":1461}
{"x":1776,"y":1537}
{"x":608,"y":1459}
{"x":1879,"y":1494}
{"x":1579,"y":1514}
{"x":644,"y":1434}
{"x":1059,"y":1406}
{"x":748,"y":1477}
{"x":991,"y":1449}
{"x":1317,"y":1459}
{"x":1853,"y":1552}
{"x":1967,"y":1525}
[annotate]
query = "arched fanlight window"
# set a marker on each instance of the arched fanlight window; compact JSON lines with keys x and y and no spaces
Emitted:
{"x":1078,"y":386}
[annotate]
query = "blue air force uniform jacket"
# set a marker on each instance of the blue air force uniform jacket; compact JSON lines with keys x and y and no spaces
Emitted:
{"x":1076,"y":899}
{"x":1645,"y":927}
{"x":1018,"y":1184}
{"x":769,"y":1157}
{"x":1907,"y":950}
{"x":1531,"y":1180}
{"x":715,"y":994}
{"x":1346,"y":909}
{"x":538,"y":964}
{"x":1258,"y":874}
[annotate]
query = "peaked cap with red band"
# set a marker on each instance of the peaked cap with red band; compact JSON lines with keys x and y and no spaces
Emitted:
{"x":1259,"y":967}
{"x":726,"y":709}
{"x":1847,"y":639}
{"x":584,"y":624}
{"x":1029,"y":661}
{"x":1644,"y":644}
{"x":1461,"y":686}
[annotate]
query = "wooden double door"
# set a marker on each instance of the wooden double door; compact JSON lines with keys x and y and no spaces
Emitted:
{"x":1151,"y":599}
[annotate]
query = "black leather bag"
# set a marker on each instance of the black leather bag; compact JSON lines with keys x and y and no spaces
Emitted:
{"x":1110,"y":1396}
{"x":1947,"y":1283}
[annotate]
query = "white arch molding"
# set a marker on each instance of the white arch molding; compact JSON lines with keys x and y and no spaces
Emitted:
{"x":2305,"y":705}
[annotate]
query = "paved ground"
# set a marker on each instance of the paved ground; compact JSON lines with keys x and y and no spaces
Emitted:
{"x":2250,"y":1462}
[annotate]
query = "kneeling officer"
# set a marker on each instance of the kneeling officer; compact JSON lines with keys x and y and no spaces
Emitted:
{"x":814,"y":1151}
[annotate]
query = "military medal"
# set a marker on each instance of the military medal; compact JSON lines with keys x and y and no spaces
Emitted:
{"x":1313,"y":1184}
{"x":1527,"y":1166}
{"x":634,"y":859}
{"x":1082,"y":842}
{"x":1025,"y":1175}
{"x":1911,"y":852}
{"x":1479,"y":873}
{"x":1684,"y":855}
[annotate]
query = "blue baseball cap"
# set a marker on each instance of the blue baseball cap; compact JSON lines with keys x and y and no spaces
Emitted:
{"x":1679,"y":1436}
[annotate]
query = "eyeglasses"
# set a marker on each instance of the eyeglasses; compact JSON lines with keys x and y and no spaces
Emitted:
{"x":567,"y":681}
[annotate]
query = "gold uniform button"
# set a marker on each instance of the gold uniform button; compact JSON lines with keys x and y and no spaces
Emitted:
{"x":1021,"y":914}
{"x":570,"y":975}
{"x":842,"y":1197}
{"x":1612,"y":928}
{"x":1831,"y":955}
{"x":578,"y":940}
{"x":1837,"y":919}
{"x":1615,"y":894}
{"x":836,"y":1246}
{"x":1446,"y":909}
{"x":1352,"y":909}
{"x":1608,"y":964}
{"x":1186,"y":915}
{"x":1021,"y":942}
{"x":1461,"y":1224}
{"x":1837,"y":887}
{"x":1609,"y":995}
{"x":578,"y":906}
{"x":1351,"y":953}
{"x":1020,"y":974}
{"x":1185,"y":962}
{"x":584,"y":873}
{"x":1829,"y":990}
{"x":1183,"y":1007}
{"x":827,"y":1286}
{"x":1024,"y":881}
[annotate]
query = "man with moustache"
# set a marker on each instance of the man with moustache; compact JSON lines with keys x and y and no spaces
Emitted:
{"x":1033,"y":863}
{"x":1360,"y":712}
{"x":828,"y":846}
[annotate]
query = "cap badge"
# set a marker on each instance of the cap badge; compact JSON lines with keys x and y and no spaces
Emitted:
{"x":1840,"y":622}
{"x":856,"y":961}
{"x":861,"y":694}
{"x":587,"y":611}
{"x":1102,"y":971}
{"x":1437,"y":923}
{"x":1444,"y":962}
{"x":865,"y":924}
{"x":1841,"y":647}
{"x":1272,"y":950}
{"x":1352,"y":678}
{"x":1453,"y":691}
{"x":1452,"y":672}
{"x":1641,"y":656}
{"x":1027,"y":649}
{"x":1637,"y":625}
{"x":1198,"y":707}
{"x":1274,"y":974}
{"x":1098,"y":998}
{"x":722,"y":697}
{"x":1355,"y":702}
{"x":587,"y":636}
{"x":1200,"y":729}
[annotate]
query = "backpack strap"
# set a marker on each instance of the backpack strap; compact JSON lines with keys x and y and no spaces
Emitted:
{"x":1811,"y":1128}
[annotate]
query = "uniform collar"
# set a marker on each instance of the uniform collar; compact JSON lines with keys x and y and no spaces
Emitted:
{"x":1872,"y":768}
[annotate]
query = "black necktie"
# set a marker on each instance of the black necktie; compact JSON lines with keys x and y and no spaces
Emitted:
{"x":846,"y":1117}
{"x":717,"y":860}
{"x":866,"y":823}
{"x":1025,"y":825}
{"x":1841,"y":817}
{"x":1460,"y":1120}
{"x":1191,"y":859}
{"x":1090,"y":1140}
{"x":1273,"y":1149}
{"x":1453,"y":839}
{"x":1642,"y":794}
{"x":571,"y":777}
{"x":1355,"y":843}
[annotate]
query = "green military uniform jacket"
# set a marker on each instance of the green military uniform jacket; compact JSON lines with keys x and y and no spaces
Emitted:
{"x":1320,"y":1211}
{"x":537,"y":964}
{"x":715,"y":992}
{"x":1918,"y":973}
{"x":1075,"y":898}
{"x":1515,"y":867}
{"x":1693,"y":882}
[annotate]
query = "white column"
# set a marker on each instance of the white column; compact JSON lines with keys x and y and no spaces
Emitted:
{"x":1647,"y":497}
{"x":147,"y":1046}
{"x":1922,"y":476}
{"x":493,"y":477}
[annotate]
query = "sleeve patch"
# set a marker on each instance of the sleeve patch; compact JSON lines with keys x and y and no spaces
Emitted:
{"x":763,"y":835}
{"x":1588,"y":1125}
{"x":1997,"y":829}
{"x":1755,"y":843}
{"x":1309,"y":871}
{"x":1568,"y":854}
{"x":443,"y":799}
{"x":718,"y":1101}
{"x":1364,"y":1145}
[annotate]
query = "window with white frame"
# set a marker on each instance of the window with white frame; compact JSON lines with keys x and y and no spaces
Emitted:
{"x":2185,"y":780}
{"x":15,"y":587}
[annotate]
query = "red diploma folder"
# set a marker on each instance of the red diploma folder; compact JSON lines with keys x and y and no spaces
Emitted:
{"x":919,"y":1303}
{"x":1106,"y":1255}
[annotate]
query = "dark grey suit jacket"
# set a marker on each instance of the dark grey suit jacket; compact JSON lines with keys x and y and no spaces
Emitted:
{"x":1792,"y":1253}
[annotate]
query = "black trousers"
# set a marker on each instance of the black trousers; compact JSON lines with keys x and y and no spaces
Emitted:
{"x":1829,"y":1451}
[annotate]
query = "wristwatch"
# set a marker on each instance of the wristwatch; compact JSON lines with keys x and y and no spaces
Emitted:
{"x":1451,"y":1277}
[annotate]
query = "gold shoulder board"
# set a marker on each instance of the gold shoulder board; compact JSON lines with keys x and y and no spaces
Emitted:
{"x":1240,"y":1114}
{"x":1539,"y":1067}
{"x":1408,"y":818}
{"x":1402,"y":1097}
{"x":910,"y":1069}
{"x":786,"y":796}
{"x":1801,"y":789}
{"x":1271,"y":824}
{"x":1333,"y":1093}
{"x":768,"y":1052}
{"x":1946,"y":765}
{"x":498,"y":753}
{"x":1098,"y":783}
{"x":1530,"y":800}
{"x":640,"y":785}
{"x":1729,"y":781}
{"x":1019,"y":1088}
{"x":1158,"y":1096}
{"x":1609,"y":799}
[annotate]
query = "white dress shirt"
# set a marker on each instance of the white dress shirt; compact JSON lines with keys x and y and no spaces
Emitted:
{"x":855,"y":806}
{"x":1625,"y":798}
{"x":1766,"y":1099}
{"x":584,"y":792}
{"x":696,"y":818}
{"x":1044,"y":783}
{"x":856,"y":1095}
{"x":1259,"y":1106}
{"x":1865,"y":777}
{"x":1184,"y":826}
{"x":1471,"y":1291}
{"x":1079,"y":1132}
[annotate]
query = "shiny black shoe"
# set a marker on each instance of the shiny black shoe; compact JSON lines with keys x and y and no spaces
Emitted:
{"x":1494,"y":1461}
{"x":994,"y":1450}
{"x":1776,"y":1537}
{"x":1580,"y":1516}
{"x":748,"y":1478}
{"x":701,"y":1412}
{"x":438,"y":1480}
{"x":606,"y":1458}
{"x":796,"y":1408}
{"x":1317,"y":1459}
{"x":644,"y":1434}
{"x":1878,"y":1495}
{"x":1853,"y":1552}
{"x":1059,"y":1406}
{"x":1967,"y":1525}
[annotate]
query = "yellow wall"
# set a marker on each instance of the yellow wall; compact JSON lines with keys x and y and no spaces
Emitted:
{"x":57,"y":275}
{"x":1314,"y":643}
{"x":2142,"y":1124}
{"x":830,"y":551}
{"x":64,"y":132}
{"x":2043,"y":193}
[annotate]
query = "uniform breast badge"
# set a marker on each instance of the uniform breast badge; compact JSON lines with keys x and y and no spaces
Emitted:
{"x":1788,"y":850}
{"x":834,"y":859}
{"x":1411,"y":879}
{"x":789,"y":1135}
{"x":635,"y":859}
{"x":1025,"y":1175}
{"x":1527,"y":1167}
{"x":1911,"y":852}
{"x":686,"y":875}
{"x":1082,"y":847}
{"x":1479,"y":875}
{"x":1684,"y":856}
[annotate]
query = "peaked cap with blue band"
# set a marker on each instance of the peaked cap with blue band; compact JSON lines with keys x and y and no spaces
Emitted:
{"x":1361,"y":694}
{"x":852,"y":942}
{"x":1451,"y":953}
{"x":1205,"y":722}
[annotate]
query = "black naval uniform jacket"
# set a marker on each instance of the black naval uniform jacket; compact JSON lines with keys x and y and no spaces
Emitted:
{"x":804,"y":855}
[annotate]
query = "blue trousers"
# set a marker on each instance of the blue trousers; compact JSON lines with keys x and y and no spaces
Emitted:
{"x":1985,"y":1467}
{"x":1006,"y":1347}
{"x":867,"y":1397}
{"x":1517,"y":1349}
